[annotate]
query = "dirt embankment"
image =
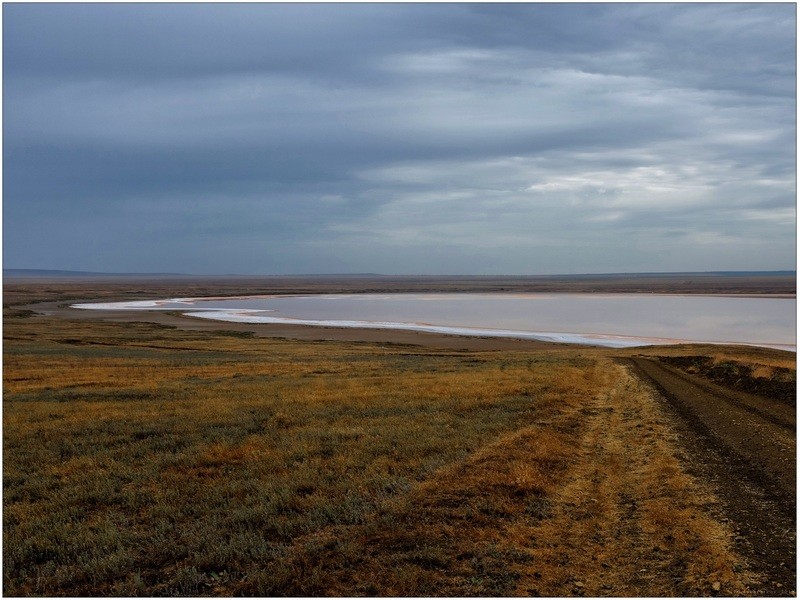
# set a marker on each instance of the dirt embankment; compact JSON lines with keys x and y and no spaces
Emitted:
{"x":772,"y":382}
{"x":745,"y":446}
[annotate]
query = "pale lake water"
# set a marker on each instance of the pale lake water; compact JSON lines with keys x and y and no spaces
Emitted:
{"x":617,"y":320}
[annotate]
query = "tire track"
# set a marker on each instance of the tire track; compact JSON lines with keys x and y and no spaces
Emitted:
{"x":778,"y":413}
{"x":750,"y":462}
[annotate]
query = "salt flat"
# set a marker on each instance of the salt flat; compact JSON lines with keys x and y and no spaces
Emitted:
{"x":611,"y":320}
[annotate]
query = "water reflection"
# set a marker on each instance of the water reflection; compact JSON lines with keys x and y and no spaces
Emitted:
{"x":766,"y":321}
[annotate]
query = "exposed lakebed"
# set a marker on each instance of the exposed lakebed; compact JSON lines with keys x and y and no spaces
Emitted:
{"x":617,"y":320}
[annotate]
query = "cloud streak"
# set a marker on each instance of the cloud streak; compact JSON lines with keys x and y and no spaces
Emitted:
{"x":448,"y":138}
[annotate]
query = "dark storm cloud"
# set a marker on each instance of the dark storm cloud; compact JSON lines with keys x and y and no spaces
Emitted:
{"x":405,"y":138}
{"x":178,"y":41}
{"x":134,"y":42}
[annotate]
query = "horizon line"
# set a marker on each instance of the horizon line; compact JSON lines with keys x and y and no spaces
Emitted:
{"x":21,"y":272}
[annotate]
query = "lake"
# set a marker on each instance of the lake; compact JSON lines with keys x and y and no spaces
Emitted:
{"x":617,"y":320}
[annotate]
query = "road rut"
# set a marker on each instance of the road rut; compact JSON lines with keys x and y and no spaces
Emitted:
{"x":745,"y":447}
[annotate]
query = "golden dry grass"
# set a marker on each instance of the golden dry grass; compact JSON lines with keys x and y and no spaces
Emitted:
{"x":142,"y":460}
{"x":747,"y":355}
{"x":588,"y":500}
{"x":629,"y":518}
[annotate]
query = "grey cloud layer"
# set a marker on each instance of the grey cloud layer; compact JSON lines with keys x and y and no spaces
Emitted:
{"x":399,"y":138}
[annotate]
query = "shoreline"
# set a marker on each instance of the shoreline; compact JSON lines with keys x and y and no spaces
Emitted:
{"x":257,"y":317}
{"x":517,"y":294}
{"x":331,"y":334}
{"x":303,"y":332}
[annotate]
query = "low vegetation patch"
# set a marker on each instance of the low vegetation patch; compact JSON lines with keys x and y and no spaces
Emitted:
{"x":143,"y":460}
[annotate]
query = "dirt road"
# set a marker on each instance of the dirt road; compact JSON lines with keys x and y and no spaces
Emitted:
{"x":745,"y":446}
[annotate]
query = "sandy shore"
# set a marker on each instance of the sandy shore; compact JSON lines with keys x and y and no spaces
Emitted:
{"x":300,"y":332}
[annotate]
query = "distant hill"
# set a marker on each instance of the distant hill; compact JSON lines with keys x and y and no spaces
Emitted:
{"x":63,"y":274}
{"x":28,"y":273}
{"x":682,"y":274}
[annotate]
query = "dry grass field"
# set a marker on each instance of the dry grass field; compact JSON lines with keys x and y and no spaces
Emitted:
{"x":141,"y":459}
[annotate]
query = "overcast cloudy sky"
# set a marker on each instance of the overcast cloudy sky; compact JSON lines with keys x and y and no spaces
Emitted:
{"x":391,"y":138}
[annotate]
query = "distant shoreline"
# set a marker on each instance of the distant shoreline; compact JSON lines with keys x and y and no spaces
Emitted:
{"x":777,"y":283}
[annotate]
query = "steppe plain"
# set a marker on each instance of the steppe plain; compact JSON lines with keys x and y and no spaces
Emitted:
{"x":154,"y":454}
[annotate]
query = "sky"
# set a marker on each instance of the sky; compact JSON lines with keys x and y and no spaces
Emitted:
{"x":399,"y":138}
